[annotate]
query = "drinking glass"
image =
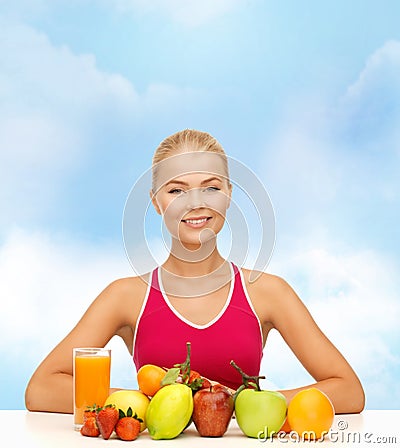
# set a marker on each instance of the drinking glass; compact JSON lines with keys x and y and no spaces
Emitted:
{"x":91,"y":381}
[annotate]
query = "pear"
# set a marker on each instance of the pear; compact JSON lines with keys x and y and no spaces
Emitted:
{"x":169,"y":411}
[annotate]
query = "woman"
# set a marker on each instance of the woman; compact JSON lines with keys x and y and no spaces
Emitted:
{"x":197,"y":296}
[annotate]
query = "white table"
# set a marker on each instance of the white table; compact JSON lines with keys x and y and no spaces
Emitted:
{"x":42,"y":430}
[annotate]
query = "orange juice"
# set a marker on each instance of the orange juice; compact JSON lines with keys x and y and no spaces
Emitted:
{"x":91,"y":380}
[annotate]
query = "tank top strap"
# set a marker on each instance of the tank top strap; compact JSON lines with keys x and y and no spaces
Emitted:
{"x":235,"y":268}
{"x":240,"y":295}
{"x":238,"y":289}
{"x":154,"y":279}
{"x":155,"y":283}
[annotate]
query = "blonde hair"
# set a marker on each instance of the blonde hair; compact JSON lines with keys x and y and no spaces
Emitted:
{"x":187,"y":140}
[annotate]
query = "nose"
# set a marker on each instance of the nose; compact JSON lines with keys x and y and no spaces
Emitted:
{"x":195,"y":199}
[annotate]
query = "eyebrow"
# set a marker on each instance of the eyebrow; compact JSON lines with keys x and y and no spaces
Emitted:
{"x":205,"y":181}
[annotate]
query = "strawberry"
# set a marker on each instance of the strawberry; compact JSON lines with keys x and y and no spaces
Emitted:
{"x":197,"y":382}
{"x":206,"y":384}
{"x":194,"y":375}
{"x":90,"y":411}
{"x":128,"y":426}
{"x":106,"y":420}
{"x":90,"y":428}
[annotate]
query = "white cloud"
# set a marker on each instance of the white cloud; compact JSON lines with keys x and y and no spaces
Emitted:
{"x":39,"y":75}
{"x":338,"y":159}
{"x":381,"y":71}
{"x":54,"y":104}
{"x":49,"y":282}
{"x":353,"y":297}
{"x":190,"y":13}
{"x":50,"y":99}
{"x":368,"y":113}
{"x":46,"y":284}
{"x":333,"y":178}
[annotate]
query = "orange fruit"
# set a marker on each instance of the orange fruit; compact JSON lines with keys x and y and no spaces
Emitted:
{"x":149,"y":379}
{"x":310,"y":413}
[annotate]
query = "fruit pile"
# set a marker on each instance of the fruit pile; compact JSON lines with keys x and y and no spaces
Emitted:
{"x":265,"y":413}
{"x":169,"y":400}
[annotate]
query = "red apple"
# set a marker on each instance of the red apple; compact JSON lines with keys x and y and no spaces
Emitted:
{"x":212,"y":410}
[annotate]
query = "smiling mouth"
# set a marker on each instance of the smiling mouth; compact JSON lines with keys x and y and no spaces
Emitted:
{"x":196,"y":221}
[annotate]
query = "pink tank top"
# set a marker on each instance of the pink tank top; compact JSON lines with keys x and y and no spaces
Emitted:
{"x":235,"y":333}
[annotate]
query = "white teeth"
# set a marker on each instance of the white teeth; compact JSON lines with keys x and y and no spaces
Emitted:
{"x":196,"y":221}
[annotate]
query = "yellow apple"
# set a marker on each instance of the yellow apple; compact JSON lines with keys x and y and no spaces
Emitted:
{"x":134,"y":399}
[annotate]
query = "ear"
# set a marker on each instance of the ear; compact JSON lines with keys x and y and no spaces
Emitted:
{"x":229,"y":195}
{"x":154,"y":202}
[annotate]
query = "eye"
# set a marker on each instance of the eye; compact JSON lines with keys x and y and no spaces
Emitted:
{"x":175,"y":191}
{"x":213,"y":189}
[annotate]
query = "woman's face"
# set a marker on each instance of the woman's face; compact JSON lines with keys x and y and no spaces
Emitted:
{"x":193,"y":195}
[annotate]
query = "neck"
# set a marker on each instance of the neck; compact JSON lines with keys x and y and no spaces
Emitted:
{"x":194,"y":260}
{"x":195,"y":279}
{"x":195,"y":267}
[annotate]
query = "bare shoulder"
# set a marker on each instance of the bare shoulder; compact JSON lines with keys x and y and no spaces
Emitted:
{"x":121,"y":295}
{"x":268,"y":293}
{"x":264,"y":284}
{"x":130,"y":290}
{"x":129,"y":286}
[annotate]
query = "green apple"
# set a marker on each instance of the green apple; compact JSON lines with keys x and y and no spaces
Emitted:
{"x":260,"y":413}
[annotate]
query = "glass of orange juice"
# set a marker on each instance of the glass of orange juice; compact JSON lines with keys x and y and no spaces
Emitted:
{"x":91,"y":380}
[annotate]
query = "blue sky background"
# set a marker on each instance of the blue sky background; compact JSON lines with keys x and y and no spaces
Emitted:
{"x":306,"y":94}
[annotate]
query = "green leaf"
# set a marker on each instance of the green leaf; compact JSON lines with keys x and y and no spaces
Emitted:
{"x":137,"y":418}
{"x":121,"y":413}
{"x":129,"y":412}
{"x":171,"y":376}
{"x":196,"y":384}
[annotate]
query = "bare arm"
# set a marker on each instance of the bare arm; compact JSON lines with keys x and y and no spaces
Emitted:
{"x":50,"y":388}
{"x":332,"y":373}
